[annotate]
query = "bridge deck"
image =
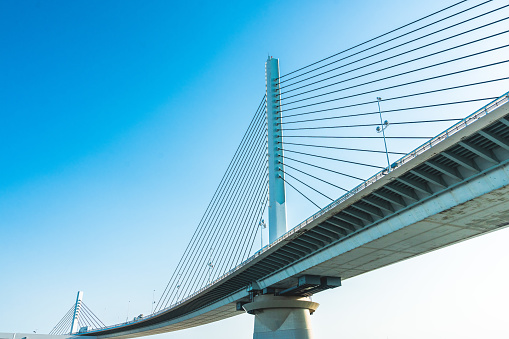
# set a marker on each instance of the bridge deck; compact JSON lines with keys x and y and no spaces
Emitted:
{"x":452,"y":188}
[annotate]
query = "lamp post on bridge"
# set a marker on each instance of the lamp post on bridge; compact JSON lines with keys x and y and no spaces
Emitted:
{"x":262,"y":227}
{"x":210,"y":265}
{"x":381,"y":128}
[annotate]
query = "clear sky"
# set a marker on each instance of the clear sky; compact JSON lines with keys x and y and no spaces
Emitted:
{"x":118,"y":119}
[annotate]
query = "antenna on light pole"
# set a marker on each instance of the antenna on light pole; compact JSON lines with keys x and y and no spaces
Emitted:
{"x":381,"y":129}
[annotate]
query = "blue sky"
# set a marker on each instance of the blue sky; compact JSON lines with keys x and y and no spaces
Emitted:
{"x":118,"y":119}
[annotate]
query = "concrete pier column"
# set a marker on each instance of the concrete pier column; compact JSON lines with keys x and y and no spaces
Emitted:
{"x":281,"y":317}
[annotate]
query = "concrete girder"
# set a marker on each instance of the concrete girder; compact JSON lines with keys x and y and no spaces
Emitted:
{"x":314,"y":243}
{"x":450,"y":172}
{"x":319,"y":237}
{"x":360,"y":215}
{"x":289,"y":256}
{"x":381,"y":204}
{"x":278,"y":260}
{"x":256,"y":268}
{"x":326,"y":233}
{"x":435,"y":179}
{"x":504,"y":121}
{"x":405,"y":192}
{"x":347,"y":228}
{"x":502,"y":142}
{"x":296,"y":245}
{"x":462,"y":161}
{"x":355,"y":222}
{"x":270,"y":263}
{"x":335,"y":229}
{"x":293,"y":251}
{"x":480,"y":151}
{"x":390,"y":198}
{"x":374,"y":211}
{"x":418,"y":186}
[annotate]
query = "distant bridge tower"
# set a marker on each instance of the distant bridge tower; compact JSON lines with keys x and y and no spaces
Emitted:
{"x":76,"y":315}
{"x":277,"y":194}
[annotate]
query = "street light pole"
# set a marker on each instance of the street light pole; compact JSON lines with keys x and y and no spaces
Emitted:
{"x":153,"y":302}
{"x":383,"y":126}
{"x":262,"y":227}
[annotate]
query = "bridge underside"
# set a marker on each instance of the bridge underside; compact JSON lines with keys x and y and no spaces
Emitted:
{"x":373,"y":249}
{"x":475,"y":217}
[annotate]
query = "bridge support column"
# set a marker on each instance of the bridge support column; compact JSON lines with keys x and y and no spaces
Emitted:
{"x":278,"y":317}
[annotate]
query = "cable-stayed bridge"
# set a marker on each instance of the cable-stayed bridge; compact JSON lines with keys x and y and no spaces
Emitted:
{"x":314,"y":134}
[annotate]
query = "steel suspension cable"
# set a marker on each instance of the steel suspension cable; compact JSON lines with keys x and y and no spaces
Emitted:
{"x":190,"y":267}
{"x":400,"y":97}
{"x":88,"y":319}
{"x":245,"y":214}
{"x":254,"y":228}
{"x":259,"y":192}
{"x":314,"y":189}
{"x":384,"y":111}
{"x":392,"y":76}
{"x":311,"y":201}
{"x":424,"y":36}
{"x":203,"y":273}
{"x":93,"y":314}
{"x":67,"y":323}
{"x":254,"y":232}
{"x":61,"y":320}
{"x":218,"y":269}
{"x":323,"y":168}
{"x":356,"y":137}
{"x":343,"y":148}
{"x":211,"y":204}
{"x":248,"y":217}
{"x":199,"y":258}
{"x":312,"y":176}
{"x":249,"y":157}
{"x":395,"y":56}
{"x":368,"y":41}
{"x":237,"y":255}
{"x":328,"y":158}
{"x":256,"y":215}
{"x":395,"y":86}
{"x":371,"y":125}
